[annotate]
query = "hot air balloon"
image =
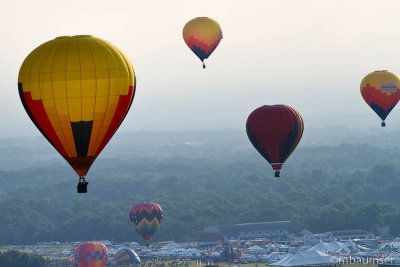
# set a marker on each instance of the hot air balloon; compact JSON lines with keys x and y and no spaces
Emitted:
{"x":91,"y":254}
{"x":126,"y":257}
{"x":380,"y":89}
{"x":77,"y":90}
{"x":275,"y":132}
{"x":202,"y":35}
{"x":146,"y":218}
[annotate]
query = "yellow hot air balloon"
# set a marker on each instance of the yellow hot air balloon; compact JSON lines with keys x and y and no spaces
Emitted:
{"x":381,"y":91}
{"x":202,"y":35}
{"x":77,"y":90}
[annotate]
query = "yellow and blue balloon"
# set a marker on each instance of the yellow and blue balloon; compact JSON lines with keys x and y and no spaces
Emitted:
{"x":202,"y":35}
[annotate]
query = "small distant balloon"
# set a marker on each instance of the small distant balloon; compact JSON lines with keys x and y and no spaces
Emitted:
{"x":380,"y":90}
{"x":275,"y":132}
{"x":126,"y":257}
{"x":91,"y":254}
{"x":146,"y":218}
{"x":202,"y":35}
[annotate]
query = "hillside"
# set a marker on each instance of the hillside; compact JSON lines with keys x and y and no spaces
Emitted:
{"x":334,"y":181}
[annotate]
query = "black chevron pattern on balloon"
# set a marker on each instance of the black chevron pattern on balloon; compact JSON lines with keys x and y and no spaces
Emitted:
{"x":138,"y":216}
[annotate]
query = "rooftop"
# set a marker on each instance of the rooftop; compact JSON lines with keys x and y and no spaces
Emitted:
{"x":350,"y":232}
{"x":246,"y":227}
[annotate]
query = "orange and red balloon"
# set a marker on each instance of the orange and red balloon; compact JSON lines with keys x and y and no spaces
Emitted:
{"x":91,"y":254}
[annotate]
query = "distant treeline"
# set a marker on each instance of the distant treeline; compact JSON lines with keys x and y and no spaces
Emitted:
{"x":322,"y":188}
{"x":13,"y":258}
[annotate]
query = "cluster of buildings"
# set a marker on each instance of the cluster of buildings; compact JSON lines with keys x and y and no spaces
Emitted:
{"x":273,"y":243}
{"x":276,"y":231}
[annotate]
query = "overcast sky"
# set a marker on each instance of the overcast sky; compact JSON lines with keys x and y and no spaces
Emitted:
{"x":310,"y":54}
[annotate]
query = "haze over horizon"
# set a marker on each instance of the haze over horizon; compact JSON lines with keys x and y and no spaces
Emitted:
{"x":310,"y":55}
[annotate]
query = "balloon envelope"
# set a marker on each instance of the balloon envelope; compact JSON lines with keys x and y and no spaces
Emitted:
{"x":146,"y":218}
{"x":77,"y":90}
{"x":91,"y":254}
{"x":275,"y":132}
{"x":126,"y":257}
{"x":380,"y":90}
{"x":202,"y":35}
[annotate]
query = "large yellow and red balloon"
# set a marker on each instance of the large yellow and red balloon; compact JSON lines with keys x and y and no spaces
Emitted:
{"x":275,"y":132}
{"x":381,"y":91}
{"x":202,"y":35}
{"x":77,"y":90}
{"x":91,"y":254}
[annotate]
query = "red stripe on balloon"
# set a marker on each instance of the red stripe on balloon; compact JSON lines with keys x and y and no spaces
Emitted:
{"x":39,"y":115}
{"x":372,"y":95}
{"x":119,"y":115}
{"x":206,"y":47}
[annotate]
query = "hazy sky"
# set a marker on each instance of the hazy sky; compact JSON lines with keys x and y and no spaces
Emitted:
{"x":310,"y":54}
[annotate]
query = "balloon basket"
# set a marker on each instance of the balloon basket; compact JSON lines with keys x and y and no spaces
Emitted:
{"x":82,"y":185}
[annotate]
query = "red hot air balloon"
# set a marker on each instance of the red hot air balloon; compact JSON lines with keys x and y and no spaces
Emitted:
{"x":275,"y":132}
{"x":91,"y":254}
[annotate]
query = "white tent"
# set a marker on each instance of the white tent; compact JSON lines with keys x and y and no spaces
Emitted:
{"x":353,"y":247}
{"x":331,"y":247}
{"x":305,"y":258}
{"x":256,"y":250}
{"x":177,"y":252}
{"x":171,"y":245}
{"x":189,"y":253}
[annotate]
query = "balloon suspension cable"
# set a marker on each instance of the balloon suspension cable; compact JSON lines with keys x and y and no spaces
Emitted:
{"x":277,"y":173}
{"x":383,"y":124}
{"x":82,"y":185}
{"x":204,"y":65}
